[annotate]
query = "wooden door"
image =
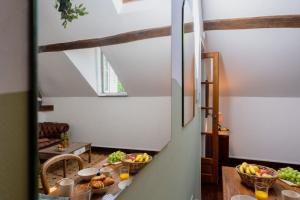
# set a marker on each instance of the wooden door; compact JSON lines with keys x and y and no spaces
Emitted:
{"x":210,"y":109}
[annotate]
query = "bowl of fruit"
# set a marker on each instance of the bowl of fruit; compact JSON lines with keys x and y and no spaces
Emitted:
{"x":136,"y":161}
{"x":250,"y":173}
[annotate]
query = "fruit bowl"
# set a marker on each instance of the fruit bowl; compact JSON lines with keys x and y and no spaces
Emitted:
{"x":136,"y":162}
{"x":249,"y":178}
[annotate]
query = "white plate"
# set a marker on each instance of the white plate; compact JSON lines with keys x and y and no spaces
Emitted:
{"x":242,"y":197}
{"x":123,"y":184}
{"x":115,"y":163}
{"x":289,"y":183}
{"x":88,"y":173}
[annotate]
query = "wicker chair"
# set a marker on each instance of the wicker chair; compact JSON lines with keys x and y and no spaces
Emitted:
{"x":53,"y":160}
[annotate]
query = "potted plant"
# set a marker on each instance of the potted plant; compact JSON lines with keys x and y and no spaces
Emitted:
{"x":68,"y":11}
{"x":65,"y":139}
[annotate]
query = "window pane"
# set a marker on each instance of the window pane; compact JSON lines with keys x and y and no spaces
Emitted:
{"x":110,"y":81}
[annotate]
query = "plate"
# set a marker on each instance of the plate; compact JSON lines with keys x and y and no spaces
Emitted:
{"x":289,"y":183}
{"x":123,"y":184}
{"x":115,"y":163}
{"x":100,"y":190}
{"x":242,"y":197}
{"x":88,"y":173}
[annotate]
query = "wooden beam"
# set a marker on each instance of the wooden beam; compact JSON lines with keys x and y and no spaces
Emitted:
{"x":112,"y":40}
{"x":128,"y":1}
{"x":278,"y":21}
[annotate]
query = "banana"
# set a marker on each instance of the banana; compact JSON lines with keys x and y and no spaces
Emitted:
{"x":251,"y":169}
{"x":255,"y":168}
{"x":241,"y":169}
{"x":267,"y":176}
{"x":248,"y":170}
{"x":244,"y":165}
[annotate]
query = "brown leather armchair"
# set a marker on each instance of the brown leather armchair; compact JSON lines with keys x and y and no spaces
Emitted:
{"x":49,"y":133}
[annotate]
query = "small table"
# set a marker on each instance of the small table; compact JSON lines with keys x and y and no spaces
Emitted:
{"x":232,"y":186}
{"x":76,"y":148}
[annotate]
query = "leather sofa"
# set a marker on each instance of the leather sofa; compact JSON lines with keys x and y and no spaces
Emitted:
{"x":49,"y":133}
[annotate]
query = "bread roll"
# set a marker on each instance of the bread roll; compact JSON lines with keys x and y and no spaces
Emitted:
{"x":108,"y":181}
{"x":97,"y":184}
{"x":99,"y":178}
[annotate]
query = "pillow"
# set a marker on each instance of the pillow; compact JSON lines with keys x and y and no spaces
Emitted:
{"x":41,"y":140}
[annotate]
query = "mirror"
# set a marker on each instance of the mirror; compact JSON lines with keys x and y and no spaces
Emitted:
{"x":105,"y":79}
{"x":188,"y":70}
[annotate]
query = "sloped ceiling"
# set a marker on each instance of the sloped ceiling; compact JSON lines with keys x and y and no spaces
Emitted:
{"x":58,"y":77}
{"x":102,"y":20}
{"x":255,"y":62}
{"x":143,"y":67}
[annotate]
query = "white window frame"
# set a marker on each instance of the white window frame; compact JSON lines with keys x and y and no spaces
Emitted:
{"x":100,"y":83}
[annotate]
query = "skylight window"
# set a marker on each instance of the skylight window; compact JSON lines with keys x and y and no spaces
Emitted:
{"x":109,"y":84}
{"x":129,"y":6}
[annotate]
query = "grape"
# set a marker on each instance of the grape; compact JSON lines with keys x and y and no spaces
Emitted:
{"x":290,"y":174}
{"x":115,"y":157}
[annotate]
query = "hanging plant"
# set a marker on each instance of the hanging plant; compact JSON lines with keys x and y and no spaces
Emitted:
{"x":68,"y":12}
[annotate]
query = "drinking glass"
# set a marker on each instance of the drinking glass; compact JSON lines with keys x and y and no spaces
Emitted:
{"x":261,"y":190}
{"x":124,"y":173}
{"x":81,"y":193}
{"x":289,"y":195}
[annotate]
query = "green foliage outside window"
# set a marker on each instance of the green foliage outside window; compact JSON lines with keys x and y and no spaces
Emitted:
{"x":120,"y":87}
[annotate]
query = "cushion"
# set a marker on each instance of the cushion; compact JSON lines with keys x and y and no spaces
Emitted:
{"x":41,"y":140}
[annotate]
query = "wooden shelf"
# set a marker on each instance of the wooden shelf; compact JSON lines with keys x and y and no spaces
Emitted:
{"x":206,"y":133}
{"x":46,"y":108}
{"x":207,"y":82}
{"x":206,"y":108}
{"x":220,"y":133}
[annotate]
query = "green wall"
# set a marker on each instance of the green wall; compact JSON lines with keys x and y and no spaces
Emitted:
{"x":175,"y":172}
{"x":13,"y":145}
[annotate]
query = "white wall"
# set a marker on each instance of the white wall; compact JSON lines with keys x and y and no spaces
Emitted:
{"x":58,"y":77}
{"x":13,"y":51}
{"x":85,"y":60}
{"x":126,"y":122}
{"x":263,"y":128}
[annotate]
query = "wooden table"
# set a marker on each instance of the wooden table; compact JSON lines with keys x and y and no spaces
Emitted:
{"x":76,"y":148}
{"x":114,"y":189}
{"x":232,"y":186}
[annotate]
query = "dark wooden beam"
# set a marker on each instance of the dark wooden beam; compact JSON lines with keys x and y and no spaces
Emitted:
{"x":278,"y":21}
{"x":128,"y":1}
{"x":112,"y":40}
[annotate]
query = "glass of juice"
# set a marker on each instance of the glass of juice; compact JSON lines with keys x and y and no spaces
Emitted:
{"x":124,"y":173}
{"x":261,"y":190}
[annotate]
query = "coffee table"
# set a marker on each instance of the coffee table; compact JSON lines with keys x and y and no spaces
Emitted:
{"x":76,"y":148}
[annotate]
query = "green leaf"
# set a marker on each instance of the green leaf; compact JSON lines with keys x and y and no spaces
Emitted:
{"x":68,"y":11}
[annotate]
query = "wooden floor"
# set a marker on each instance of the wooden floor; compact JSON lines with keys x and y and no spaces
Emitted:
{"x":211,"y":191}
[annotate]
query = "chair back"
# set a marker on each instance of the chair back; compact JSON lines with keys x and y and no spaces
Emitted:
{"x":53,"y":160}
